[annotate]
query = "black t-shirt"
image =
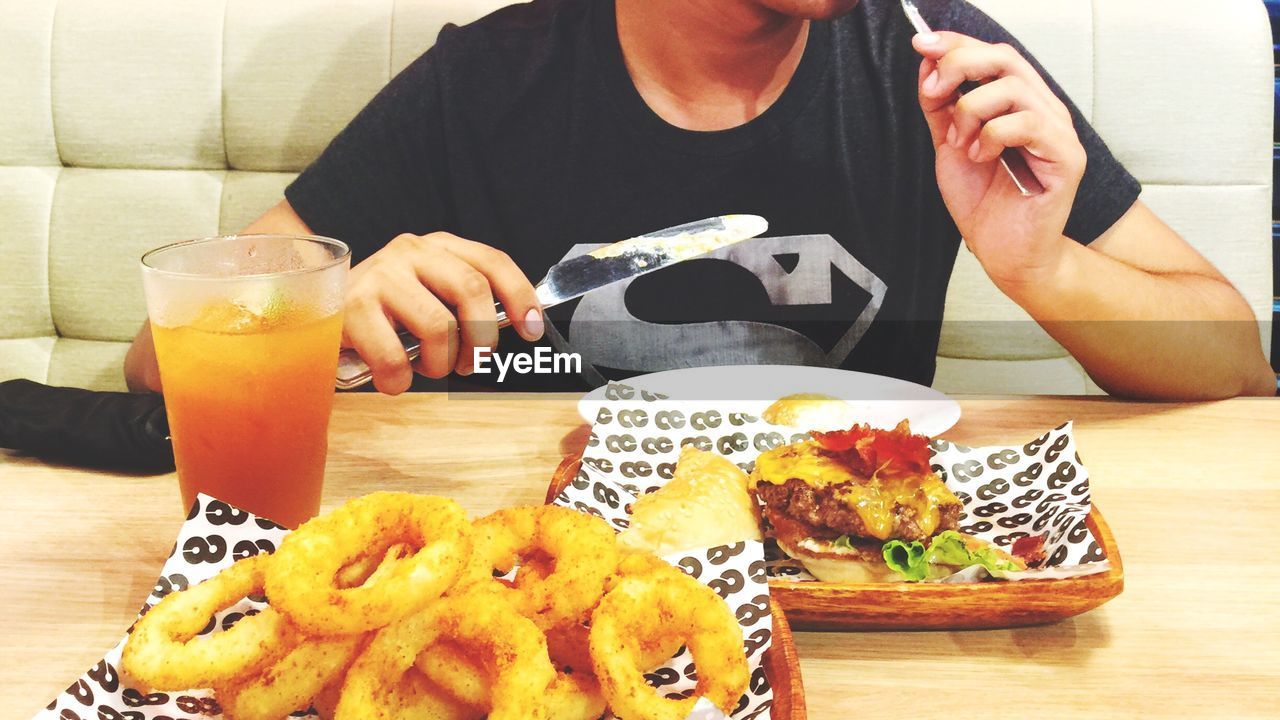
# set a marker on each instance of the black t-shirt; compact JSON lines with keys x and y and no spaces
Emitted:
{"x":524,"y":131}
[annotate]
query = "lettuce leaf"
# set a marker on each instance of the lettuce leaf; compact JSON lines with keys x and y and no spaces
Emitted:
{"x":948,"y":552}
{"x":907,"y":559}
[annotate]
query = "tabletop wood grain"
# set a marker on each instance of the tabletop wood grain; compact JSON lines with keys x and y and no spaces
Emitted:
{"x":1192,"y":493}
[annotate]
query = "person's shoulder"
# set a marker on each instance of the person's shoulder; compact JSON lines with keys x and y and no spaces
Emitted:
{"x":878,"y":17}
{"x":521,"y":18}
{"x":963,"y":17}
{"x":876,"y":33}
{"x":513,"y":41}
{"x":875,"y":20}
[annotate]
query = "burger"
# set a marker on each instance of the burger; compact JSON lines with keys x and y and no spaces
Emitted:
{"x":864,"y":505}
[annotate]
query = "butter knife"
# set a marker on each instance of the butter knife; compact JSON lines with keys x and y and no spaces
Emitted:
{"x":578,"y":276}
{"x":1012,"y":160}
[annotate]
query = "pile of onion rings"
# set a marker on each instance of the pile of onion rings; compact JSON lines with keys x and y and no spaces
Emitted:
{"x":395,"y":605}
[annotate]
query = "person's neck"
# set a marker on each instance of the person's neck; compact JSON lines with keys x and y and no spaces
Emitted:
{"x":709,"y":64}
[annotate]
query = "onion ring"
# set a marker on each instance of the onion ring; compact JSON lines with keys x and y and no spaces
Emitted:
{"x":313,"y":671}
{"x":455,"y":671}
{"x":570,"y":651}
{"x":656,"y":649}
{"x":368,"y":568}
{"x":572,"y":555}
{"x":660,"y":604}
{"x":163,"y":651}
{"x":640,"y":565}
{"x":293,"y":682}
{"x":575,"y":696}
{"x":416,"y":697}
{"x":303,"y":582}
{"x":508,"y":643}
{"x":572,"y":695}
{"x":326,"y":702}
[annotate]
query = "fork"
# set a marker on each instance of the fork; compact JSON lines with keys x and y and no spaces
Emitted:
{"x":1012,"y":160}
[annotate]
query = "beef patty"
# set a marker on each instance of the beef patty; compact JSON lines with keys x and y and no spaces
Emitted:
{"x":820,"y":508}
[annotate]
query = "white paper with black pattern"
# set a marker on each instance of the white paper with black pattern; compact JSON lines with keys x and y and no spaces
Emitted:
{"x":736,"y":572}
{"x":214,"y":536}
{"x":593,"y":493}
{"x":1040,"y":487}
{"x":1010,"y":492}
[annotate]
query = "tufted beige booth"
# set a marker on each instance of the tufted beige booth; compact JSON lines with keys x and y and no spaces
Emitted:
{"x":126,"y":124}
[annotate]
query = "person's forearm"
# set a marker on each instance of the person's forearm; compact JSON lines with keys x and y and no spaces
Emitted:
{"x":141,"y":373}
{"x":1160,"y":337}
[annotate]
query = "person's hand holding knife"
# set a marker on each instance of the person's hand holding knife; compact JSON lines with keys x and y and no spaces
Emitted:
{"x":430,"y":285}
{"x":441,"y":288}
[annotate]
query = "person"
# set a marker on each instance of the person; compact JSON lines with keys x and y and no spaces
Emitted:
{"x":546,"y":129}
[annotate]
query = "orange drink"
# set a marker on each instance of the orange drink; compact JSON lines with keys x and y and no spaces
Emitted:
{"x":247,"y":352}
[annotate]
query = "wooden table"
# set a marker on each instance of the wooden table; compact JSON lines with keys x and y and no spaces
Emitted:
{"x":1192,"y":493}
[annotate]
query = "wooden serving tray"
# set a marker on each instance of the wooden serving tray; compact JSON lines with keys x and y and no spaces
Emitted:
{"x":782,"y":667}
{"x":781,"y":662}
{"x":932,"y":606}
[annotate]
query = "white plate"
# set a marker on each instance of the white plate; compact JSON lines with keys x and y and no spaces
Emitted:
{"x":878,"y":401}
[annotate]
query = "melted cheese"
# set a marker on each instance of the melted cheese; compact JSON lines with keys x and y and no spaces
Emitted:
{"x":873,"y":499}
{"x":805,"y":462}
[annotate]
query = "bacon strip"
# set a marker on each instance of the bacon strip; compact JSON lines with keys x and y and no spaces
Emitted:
{"x":869,"y":450}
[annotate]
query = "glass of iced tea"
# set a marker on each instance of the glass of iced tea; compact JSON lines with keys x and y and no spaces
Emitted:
{"x":247,"y":330}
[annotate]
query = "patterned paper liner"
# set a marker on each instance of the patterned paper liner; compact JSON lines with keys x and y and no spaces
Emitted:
{"x":216,"y":534}
{"x":1009,"y":492}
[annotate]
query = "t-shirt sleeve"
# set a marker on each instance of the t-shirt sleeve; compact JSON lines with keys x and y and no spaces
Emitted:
{"x":1107,"y":190}
{"x":382,"y":175}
